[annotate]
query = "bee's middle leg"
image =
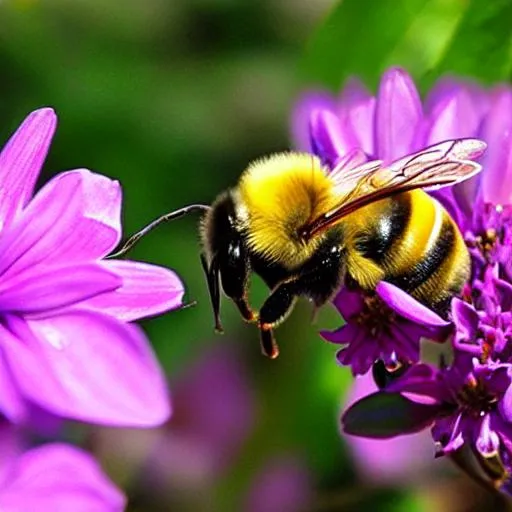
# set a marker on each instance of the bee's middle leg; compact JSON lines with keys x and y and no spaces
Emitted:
{"x":275,"y":309}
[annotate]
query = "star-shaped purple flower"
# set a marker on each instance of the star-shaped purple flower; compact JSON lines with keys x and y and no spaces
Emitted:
{"x":475,"y":400}
{"x":386,"y":325}
{"x":65,"y":341}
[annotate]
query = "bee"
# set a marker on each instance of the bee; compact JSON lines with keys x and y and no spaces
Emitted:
{"x":306,"y":230}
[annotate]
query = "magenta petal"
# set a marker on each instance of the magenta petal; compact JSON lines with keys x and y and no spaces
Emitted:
{"x":12,"y":404}
{"x":57,"y":477}
{"x":102,"y":198}
{"x":54,"y":227}
{"x":146,"y":290}
{"x":455,"y":117}
{"x":21,"y":161}
{"x":331,"y":137}
{"x":301,"y":116}
{"x":497,"y":131}
{"x":42,"y":229}
{"x":408,"y":307}
{"x":466,"y":323}
{"x":487,"y":442}
{"x":359,"y":107}
{"x":397,"y":115}
{"x":88,"y":366}
{"x":39,"y":290}
{"x":347,"y":333}
{"x":505,"y":405}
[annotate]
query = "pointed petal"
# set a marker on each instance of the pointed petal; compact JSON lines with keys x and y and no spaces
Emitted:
{"x":88,"y":366}
{"x":331,"y":137}
{"x":360,"y":107}
{"x":347,"y":333}
{"x":421,"y":380}
{"x":453,"y":118}
{"x":408,"y":307}
{"x":349,"y":302}
{"x":59,"y":477}
{"x":397,"y":115}
{"x":456,"y":116}
{"x":301,"y":115}
{"x":40,"y":290}
{"x":54,"y":227}
{"x":487,"y":442}
{"x":146,"y":290}
{"x":465,"y":319}
{"x":497,"y":161}
{"x":21,"y":161}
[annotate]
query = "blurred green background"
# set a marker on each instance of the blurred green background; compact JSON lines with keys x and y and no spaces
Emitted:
{"x":174,"y":98}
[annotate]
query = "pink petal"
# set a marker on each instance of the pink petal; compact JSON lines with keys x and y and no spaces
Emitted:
{"x":146,"y":290}
{"x":103,"y":199}
{"x":408,"y":307}
{"x":41,"y":289}
{"x":397,"y":115}
{"x":88,"y":366}
{"x":21,"y":161}
{"x":497,"y":132}
{"x":59,"y":478}
{"x":54,"y":229}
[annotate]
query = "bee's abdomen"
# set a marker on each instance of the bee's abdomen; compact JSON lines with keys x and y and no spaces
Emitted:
{"x":417,"y":247}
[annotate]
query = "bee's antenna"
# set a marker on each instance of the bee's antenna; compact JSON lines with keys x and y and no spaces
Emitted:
{"x":176,"y":214}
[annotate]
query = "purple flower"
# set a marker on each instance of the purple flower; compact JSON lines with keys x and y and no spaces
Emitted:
{"x":66,"y":345}
{"x":57,"y":477}
{"x":484,"y":327}
{"x":473,"y":393}
{"x":475,"y":400}
{"x":389,"y":125}
{"x":385,"y":325}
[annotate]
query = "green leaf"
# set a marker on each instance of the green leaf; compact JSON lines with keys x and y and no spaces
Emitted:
{"x":427,"y":37}
{"x":360,"y":36}
{"x":382,"y":415}
{"x":482,"y":44}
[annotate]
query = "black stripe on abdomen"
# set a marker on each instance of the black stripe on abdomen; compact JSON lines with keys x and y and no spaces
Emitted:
{"x":427,"y":266}
{"x":388,"y":228}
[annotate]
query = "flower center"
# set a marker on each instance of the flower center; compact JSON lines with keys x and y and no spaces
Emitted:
{"x":486,"y":242}
{"x":376,"y":317}
{"x":475,"y":399}
{"x":493,"y":229}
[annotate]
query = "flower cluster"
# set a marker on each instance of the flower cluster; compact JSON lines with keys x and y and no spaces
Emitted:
{"x":67,"y":344}
{"x":467,"y":400}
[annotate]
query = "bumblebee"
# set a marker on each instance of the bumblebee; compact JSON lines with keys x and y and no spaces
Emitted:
{"x":306,"y":230}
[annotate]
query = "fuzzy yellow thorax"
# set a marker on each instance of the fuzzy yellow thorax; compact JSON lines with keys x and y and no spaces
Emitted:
{"x":278,"y":196}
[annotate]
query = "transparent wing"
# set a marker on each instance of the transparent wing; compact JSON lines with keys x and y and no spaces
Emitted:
{"x":437,"y":166}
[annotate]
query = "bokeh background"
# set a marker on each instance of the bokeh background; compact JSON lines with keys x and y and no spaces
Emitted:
{"x":174,"y":98}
